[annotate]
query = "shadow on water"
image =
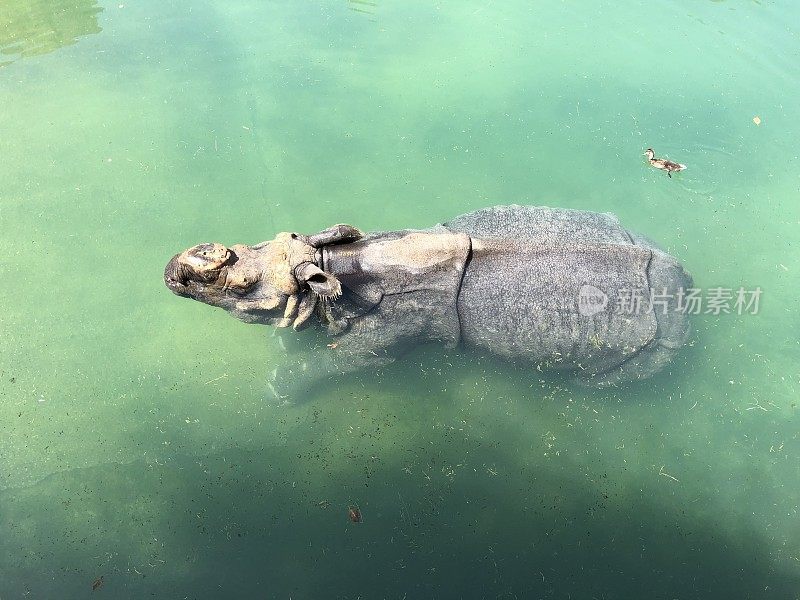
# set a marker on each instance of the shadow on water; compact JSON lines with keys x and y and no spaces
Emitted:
{"x":273,"y":523}
{"x":35,"y":27}
{"x":449,"y":512}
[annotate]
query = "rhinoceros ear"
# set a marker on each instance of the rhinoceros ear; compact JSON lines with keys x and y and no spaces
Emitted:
{"x":323,"y":284}
{"x":338,"y":234}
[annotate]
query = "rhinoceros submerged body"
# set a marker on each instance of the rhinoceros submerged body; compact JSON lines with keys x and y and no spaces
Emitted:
{"x":533,"y":284}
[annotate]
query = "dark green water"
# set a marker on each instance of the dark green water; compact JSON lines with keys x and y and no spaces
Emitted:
{"x":137,"y":438}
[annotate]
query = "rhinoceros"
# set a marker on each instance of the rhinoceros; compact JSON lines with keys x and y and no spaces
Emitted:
{"x":555,"y":288}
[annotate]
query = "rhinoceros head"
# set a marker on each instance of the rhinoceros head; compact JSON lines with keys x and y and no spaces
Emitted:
{"x":277,"y":282}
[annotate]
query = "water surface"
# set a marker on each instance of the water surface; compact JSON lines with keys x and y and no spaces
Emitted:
{"x":137,"y":439}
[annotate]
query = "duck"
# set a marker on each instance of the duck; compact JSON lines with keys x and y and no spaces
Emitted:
{"x":662,"y":163}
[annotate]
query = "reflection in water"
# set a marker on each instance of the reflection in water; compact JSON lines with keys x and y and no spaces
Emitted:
{"x":33,"y":27}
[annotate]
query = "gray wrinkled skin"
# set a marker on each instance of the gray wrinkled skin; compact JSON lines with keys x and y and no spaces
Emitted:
{"x":511,"y":280}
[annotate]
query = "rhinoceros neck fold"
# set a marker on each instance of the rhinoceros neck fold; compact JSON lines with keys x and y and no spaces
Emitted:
{"x":416,"y":272}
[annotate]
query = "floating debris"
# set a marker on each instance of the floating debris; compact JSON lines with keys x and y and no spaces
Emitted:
{"x":363,"y":6}
{"x":97,"y":582}
{"x":354,"y":514}
{"x":215,"y":379}
{"x":757,"y":120}
{"x":662,"y":472}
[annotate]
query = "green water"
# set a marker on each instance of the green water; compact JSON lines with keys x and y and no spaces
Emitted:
{"x":137,"y":438}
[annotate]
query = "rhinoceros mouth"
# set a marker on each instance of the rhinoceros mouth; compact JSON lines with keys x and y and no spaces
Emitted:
{"x":173,"y":276}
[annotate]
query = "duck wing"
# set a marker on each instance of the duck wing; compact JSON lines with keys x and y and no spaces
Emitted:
{"x":673,"y":166}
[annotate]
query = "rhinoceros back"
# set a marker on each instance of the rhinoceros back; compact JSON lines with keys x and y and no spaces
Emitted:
{"x":541,"y":224}
{"x":535,"y":288}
